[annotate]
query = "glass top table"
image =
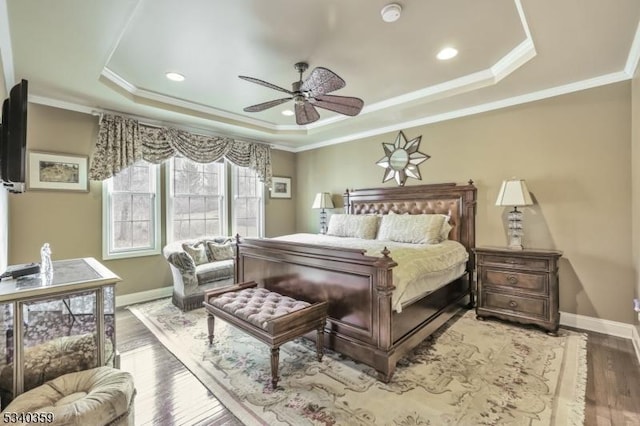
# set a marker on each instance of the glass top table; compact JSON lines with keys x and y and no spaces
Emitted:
{"x":72,"y":306}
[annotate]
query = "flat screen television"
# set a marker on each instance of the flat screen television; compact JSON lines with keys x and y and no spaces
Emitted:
{"x":4,"y":138}
{"x":14,"y":138}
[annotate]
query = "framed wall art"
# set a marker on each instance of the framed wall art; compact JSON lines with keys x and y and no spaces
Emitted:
{"x":280,"y":187}
{"x":63,"y":172}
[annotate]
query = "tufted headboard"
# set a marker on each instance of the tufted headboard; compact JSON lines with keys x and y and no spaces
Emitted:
{"x":457,"y":201}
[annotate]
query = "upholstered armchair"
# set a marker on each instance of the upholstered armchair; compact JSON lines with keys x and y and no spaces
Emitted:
{"x":198,"y":265}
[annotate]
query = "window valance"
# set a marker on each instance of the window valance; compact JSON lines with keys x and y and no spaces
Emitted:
{"x":122,"y":141}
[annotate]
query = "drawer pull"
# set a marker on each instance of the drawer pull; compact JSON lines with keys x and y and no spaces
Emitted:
{"x":513,"y":304}
{"x":512,"y":261}
{"x":512,"y":279}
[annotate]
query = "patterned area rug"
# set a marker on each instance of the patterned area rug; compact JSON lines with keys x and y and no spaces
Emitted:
{"x":469,"y":373}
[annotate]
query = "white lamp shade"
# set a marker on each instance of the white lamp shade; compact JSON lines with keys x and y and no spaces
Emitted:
{"x":322,"y":201}
{"x":514,"y":192}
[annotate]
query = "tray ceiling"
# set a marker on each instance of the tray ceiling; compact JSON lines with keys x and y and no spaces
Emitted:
{"x":113,"y":56}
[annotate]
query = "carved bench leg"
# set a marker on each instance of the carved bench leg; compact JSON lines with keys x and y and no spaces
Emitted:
{"x":320,"y":342}
{"x":275,"y":357}
{"x":210,"y":324}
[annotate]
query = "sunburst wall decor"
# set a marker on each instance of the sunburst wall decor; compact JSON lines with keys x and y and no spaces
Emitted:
{"x":401,"y":159}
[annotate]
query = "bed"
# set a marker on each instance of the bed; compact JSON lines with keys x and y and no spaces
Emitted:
{"x":365,"y":321}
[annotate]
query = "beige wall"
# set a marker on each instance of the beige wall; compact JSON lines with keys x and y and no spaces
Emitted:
{"x":72,"y":222}
{"x":280,"y":213}
{"x":573,"y":151}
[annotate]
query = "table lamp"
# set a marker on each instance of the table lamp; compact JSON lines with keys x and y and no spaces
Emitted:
{"x":514,"y":193}
{"x":323,"y":201}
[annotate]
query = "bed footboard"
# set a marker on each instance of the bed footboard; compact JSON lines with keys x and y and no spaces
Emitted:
{"x":361,"y":323}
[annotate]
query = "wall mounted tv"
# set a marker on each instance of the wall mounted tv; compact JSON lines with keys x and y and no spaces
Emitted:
{"x":13,"y":138}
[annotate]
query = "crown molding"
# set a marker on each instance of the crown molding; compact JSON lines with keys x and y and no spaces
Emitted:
{"x":634,"y":54}
{"x":490,"y":106}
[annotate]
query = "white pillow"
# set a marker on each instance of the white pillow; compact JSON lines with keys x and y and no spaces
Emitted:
{"x":353,"y":225}
{"x":416,"y":229}
{"x":444,"y":232}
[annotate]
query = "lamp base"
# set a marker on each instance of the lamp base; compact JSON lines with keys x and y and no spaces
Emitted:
{"x":323,"y":222}
{"x":515,"y":240}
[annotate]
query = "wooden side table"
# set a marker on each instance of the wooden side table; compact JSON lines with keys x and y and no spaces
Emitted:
{"x":519,"y":285}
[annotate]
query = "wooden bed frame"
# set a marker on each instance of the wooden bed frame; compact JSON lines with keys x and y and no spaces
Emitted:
{"x":361,"y":323}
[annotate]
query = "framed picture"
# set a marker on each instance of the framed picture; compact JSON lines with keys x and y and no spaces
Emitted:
{"x":63,"y":172}
{"x":280,"y":187}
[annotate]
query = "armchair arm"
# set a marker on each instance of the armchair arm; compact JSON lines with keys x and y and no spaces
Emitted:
{"x":183,"y":270}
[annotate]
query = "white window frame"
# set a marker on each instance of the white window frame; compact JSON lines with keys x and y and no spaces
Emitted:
{"x":169,"y":166}
{"x":108,"y":253}
{"x":234,"y":185}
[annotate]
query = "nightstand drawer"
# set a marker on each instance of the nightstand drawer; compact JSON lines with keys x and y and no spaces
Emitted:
{"x":507,"y":302}
{"x":534,"y":283}
{"x":515,"y":262}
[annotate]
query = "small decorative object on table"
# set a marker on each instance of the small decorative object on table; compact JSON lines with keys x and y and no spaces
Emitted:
{"x":323,"y":201}
{"x":46,"y":267}
{"x":519,"y":286}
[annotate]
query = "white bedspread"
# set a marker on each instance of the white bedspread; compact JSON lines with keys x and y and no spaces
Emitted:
{"x":422,"y":268}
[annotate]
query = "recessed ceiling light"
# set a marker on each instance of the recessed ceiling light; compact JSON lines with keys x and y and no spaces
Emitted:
{"x":447,"y":53}
{"x":391,"y":12}
{"x":287,"y":112}
{"x":174,"y":76}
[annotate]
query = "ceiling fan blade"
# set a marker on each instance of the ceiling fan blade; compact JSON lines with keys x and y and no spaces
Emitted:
{"x":343,"y":104}
{"x":265,"y":105}
{"x":306,"y":113}
{"x":264,"y":83}
{"x":322,"y":80}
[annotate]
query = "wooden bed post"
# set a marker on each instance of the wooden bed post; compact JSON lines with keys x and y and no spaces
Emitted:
{"x":347,"y":204}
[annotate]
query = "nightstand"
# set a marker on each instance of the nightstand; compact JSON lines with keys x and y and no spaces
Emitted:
{"x":518,"y":285}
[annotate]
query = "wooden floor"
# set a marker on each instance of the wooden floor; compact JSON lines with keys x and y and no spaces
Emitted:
{"x":168,"y":394}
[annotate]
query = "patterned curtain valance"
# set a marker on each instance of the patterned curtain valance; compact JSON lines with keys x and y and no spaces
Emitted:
{"x":123,"y":141}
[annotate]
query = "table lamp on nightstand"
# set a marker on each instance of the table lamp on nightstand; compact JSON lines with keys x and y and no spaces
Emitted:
{"x":323,"y":201}
{"x":514,"y":193}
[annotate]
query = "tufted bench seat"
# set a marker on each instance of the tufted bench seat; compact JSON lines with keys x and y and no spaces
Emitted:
{"x":268,"y":316}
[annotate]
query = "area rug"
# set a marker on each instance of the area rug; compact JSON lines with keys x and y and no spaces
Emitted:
{"x":468,"y":373}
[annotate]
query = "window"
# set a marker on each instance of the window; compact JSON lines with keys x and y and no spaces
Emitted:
{"x":196,"y":199}
{"x":130,"y":212}
{"x":247,"y":208}
{"x":199,"y":203}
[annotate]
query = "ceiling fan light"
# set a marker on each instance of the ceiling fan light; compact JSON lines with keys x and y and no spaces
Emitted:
{"x":174,"y":76}
{"x":447,"y":53}
{"x":391,"y":12}
{"x":287,"y":112}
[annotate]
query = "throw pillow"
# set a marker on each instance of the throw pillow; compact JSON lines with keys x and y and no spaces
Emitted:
{"x":356,"y":226}
{"x":221,"y":251}
{"x":416,"y":229}
{"x":197,"y":252}
{"x":444,"y":232}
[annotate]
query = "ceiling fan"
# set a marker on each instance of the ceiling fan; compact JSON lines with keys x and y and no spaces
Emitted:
{"x":311,"y":93}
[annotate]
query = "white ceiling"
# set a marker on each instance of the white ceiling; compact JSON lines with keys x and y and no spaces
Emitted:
{"x":96,"y":55}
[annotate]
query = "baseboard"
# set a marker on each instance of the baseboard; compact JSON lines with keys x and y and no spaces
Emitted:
{"x":611,"y":328}
{"x":636,"y":341}
{"x":143,"y":296}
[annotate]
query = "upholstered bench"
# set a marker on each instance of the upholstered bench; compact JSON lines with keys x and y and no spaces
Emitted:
{"x":268,"y":316}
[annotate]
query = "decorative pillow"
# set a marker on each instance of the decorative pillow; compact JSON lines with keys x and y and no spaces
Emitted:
{"x":416,"y":229}
{"x":221,"y":251}
{"x":444,"y":232}
{"x":353,"y":225}
{"x":197,"y":252}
